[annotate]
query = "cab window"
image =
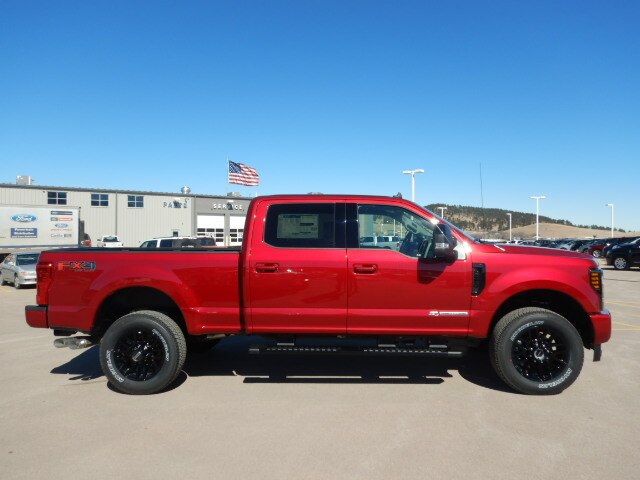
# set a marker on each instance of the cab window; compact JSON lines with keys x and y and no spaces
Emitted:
{"x":382,"y":222}
{"x":301,"y":225}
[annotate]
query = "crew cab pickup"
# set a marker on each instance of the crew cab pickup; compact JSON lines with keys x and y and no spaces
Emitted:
{"x":302,"y":280}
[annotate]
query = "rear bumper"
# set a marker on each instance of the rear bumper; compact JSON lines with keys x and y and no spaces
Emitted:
{"x":36,"y":316}
{"x":601,"y":322}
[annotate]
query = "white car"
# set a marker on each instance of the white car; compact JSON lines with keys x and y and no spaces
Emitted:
{"x":389,"y":242}
{"x":109,"y":241}
{"x":19,"y":269}
{"x":179,"y":242}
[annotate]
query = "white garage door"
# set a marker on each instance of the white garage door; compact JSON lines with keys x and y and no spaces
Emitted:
{"x":236,"y":230}
{"x":212,"y":226}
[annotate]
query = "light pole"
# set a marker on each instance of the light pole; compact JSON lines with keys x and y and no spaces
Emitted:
{"x":537,"y":199}
{"x":442,"y":209}
{"x":611,"y":205}
{"x":413,"y":181}
{"x":509,"y":227}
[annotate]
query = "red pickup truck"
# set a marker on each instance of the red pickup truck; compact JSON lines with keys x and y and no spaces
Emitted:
{"x":306,"y":281}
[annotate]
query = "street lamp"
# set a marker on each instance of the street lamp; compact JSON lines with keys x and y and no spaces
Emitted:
{"x":611,"y":205}
{"x":537,"y":199}
{"x":442,"y":209}
{"x":413,"y":181}
{"x":509,"y":227}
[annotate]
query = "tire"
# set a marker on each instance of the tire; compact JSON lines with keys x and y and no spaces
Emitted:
{"x":142,"y":352}
{"x":536,"y":351}
{"x":597,"y":253}
{"x":620,"y":263}
{"x":16,"y":283}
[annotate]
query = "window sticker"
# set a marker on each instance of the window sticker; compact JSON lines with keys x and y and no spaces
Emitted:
{"x":295,"y":226}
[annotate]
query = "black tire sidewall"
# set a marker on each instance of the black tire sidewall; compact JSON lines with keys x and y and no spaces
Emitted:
{"x":562,"y":327}
{"x":109,"y":341}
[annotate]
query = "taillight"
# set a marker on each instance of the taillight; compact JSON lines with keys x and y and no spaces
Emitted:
{"x":44,"y":272}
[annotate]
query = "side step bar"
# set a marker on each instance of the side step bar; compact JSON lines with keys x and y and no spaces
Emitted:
{"x":396,"y":351}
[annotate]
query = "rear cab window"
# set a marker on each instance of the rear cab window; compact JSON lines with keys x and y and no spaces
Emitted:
{"x":301,"y":225}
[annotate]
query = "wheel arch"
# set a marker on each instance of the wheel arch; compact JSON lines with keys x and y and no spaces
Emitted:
{"x":557,"y":302}
{"x":132,"y":299}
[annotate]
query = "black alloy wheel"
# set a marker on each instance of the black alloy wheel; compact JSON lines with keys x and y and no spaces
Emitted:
{"x":138,"y":354}
{"x":540,"y":353}
{"x":142,"y":352}
{"x":536,"y":351}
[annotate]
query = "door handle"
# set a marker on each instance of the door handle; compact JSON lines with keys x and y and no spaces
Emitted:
{"x":266,"y":267}
{"x":367,"y":268}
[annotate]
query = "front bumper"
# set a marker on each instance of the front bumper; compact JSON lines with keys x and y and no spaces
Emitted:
{"x":601,"y":322}
{"x":36,"y":316}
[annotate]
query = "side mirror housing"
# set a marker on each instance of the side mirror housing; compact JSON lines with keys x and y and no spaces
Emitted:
{"x":444,"y":244}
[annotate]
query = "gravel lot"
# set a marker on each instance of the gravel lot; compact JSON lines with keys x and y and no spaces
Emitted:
{"x":235,"y":416}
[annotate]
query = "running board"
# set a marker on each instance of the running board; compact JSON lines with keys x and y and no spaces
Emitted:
{"x":395,"y":351}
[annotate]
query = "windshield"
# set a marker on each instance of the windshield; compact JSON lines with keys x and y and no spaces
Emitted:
{"x":453,"y":227}
{"x":30,"y":259}
{"x":110,"y":239}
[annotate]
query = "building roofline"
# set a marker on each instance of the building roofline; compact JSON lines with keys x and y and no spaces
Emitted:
{"x":109,"y":190}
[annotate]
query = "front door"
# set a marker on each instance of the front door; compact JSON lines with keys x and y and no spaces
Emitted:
{"x":391,"y":290}
{"x":297,"y":269}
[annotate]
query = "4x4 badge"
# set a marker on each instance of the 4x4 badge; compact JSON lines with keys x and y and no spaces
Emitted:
{"x":77,"y":266}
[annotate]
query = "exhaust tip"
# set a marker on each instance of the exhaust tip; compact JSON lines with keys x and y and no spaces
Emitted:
{"x":74,"y":343}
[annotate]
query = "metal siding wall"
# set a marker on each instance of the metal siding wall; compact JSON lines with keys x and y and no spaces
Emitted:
{"x":98,"y":221}
{"x":135,"y":225}
{"x":22,"y":196}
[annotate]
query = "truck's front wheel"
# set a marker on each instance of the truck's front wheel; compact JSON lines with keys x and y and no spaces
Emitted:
{"x":142,"y":352}
{"x":536,"y":351}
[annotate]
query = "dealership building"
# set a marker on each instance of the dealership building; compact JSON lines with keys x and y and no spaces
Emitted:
{"x":137,"y":216}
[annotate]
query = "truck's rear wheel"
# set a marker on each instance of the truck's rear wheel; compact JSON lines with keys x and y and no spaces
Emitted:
{"x":142,"y":352}
{"x":536,"y":351}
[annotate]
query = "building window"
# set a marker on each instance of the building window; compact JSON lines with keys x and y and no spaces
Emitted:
{"x":135,"y":201}
{"x":57,"y":198}
{"x":99,"y":200}
{"x":304,"y":225}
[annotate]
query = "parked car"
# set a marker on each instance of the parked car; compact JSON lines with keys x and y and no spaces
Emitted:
{"x":19,"y":269}
{"x":585,"y":246}
{"x":109,"y":241}
{"x":614,"y":242}
{"x":86,"y":242}
{"x":179,"y":242}
{"x":390,"y":242}
{"x":624,"y":255}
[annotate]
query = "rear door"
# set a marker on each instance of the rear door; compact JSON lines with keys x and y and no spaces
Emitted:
{"x":297,"y":269}
{"x":395,"y":292}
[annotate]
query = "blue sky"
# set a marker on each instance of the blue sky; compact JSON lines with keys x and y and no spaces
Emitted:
{"x":331,"y":97}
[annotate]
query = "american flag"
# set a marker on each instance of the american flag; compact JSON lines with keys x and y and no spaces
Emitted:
{"x":243,"y":175}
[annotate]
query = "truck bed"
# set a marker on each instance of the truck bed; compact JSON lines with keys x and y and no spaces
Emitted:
{"x":94,"y":283}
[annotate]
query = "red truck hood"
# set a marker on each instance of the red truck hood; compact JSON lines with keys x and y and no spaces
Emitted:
{"x":526,"y":250}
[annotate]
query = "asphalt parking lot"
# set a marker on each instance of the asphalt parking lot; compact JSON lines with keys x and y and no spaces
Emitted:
{"x":233,"y":416}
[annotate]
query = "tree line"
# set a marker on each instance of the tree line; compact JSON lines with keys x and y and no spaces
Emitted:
{"x":496,"y":219}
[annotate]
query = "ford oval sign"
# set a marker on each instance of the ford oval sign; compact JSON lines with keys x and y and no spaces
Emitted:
{"x":62,"y":225}
{"x":24,"y":218}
